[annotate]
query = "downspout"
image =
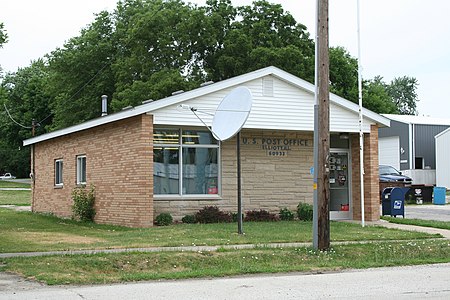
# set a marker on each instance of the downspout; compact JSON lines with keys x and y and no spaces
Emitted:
{"x":33,"y":176}
{"x":412,"y":152}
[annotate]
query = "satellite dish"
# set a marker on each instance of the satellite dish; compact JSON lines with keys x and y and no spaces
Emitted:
{"x":232,"y":113}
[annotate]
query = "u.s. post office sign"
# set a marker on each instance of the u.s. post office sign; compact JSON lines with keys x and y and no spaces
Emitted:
{"x":277,"y":146}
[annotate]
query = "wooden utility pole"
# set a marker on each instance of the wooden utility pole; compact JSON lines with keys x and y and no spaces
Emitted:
{"x":323,"y":186}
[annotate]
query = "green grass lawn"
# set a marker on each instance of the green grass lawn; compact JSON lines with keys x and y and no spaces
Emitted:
{"x":15,"y":197}
{"x":122,"y":267}
{"x":26,"y":231}
{"x":12,"y":184}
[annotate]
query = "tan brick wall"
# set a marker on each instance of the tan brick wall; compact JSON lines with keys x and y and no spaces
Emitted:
{"x":119,"y":163}
{"x":119,"y":158}
{"x":371,"y":177}
{"x":268,"y":182}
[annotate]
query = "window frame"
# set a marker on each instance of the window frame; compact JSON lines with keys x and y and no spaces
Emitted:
{"x":79,"y":169}
{"x":180,"y":146}
{"x":59,"y":168}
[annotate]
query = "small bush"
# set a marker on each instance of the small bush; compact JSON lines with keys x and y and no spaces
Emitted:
{"x":234,"y":217}
{"x":83,"y":204}
{"x":286,"y":214}
{"x":260,"y":216}
{"x":305,"y":211}
{"x":163,"y":219}
{"x":189,"y":219}
{"x":212,"y":214}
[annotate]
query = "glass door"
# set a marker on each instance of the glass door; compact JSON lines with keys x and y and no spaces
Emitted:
{"x":340,"y":185}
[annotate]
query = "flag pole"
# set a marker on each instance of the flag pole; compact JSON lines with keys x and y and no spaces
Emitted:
{"x":361,"y":134}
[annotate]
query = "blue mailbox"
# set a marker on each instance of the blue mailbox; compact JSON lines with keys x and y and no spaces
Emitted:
{"x":393,"y":201}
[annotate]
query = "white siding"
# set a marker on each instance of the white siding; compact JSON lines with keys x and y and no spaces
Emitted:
{"x":389,"y":151}
{"x":290,"y":108}
{"x":442,"y":159}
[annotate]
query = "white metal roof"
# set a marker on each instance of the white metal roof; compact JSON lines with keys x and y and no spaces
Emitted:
{"x":409,"y":119}
{"x":201,"y":91}
{"x":442,"y":133}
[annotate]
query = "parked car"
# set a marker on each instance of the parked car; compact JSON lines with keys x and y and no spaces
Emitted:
{"x":7,"y":176}
{"x":390,"y":174}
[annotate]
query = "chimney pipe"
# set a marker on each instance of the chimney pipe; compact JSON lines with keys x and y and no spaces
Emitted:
{"x":104,"y":105}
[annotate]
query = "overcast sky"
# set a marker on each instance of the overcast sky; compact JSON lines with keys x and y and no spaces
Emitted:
{"x":398,"y":37}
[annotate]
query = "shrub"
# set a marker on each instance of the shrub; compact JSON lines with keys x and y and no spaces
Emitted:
{"x":163,"y":219}
{"x":286,"y":214}
{"x":305,"y":211}
{"x":260,"y":216}
{"x":189,"y":219}
{"x":83,"y":204}
{"x":212,"y":214}
{"x":234,"y":217}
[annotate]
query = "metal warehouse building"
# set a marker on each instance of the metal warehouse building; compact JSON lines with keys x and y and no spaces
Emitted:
{"x":442,"y":159}
{"x":408,"y":145}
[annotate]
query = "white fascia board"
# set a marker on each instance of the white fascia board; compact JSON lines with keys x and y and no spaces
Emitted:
{"x":86,"y":125}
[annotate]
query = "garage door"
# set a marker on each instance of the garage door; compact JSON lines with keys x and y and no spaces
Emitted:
{"x":389,"y":151}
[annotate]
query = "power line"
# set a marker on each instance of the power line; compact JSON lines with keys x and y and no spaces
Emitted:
{"x":79,"y":90}
{"x":7,"y":111}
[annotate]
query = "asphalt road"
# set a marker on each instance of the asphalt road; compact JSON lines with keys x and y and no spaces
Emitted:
{"x":428,"y":212}
{"x":412,"y":282}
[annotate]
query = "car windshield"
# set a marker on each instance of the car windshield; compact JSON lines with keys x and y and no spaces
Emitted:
{"x":388,"y":170}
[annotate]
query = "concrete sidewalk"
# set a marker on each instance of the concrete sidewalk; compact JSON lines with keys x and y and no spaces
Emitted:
{"x":16,"y":207}
{"x":444,"y":232}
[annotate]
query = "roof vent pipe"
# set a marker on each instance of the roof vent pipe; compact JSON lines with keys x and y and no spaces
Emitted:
{"x":104,"y":105}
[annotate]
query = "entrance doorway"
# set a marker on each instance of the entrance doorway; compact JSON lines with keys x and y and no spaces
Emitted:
{"x":340,"y":183}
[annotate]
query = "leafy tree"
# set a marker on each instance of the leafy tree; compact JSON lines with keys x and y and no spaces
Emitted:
{"x":3,"y":35}
{"x":159,"y":84}
{"x":343,"y":74}
{"x":24,"y":95}
{"x":3,"y":40}
{"x":158,"y":40}
{"x":376,"y":97}
{"x":80,"y":72}
{"x":402,"y":90}
{"x":257,"y":36}
{"x":147,"y":49}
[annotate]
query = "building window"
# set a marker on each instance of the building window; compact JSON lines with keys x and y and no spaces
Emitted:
{"x":192,"y":153}
{"x":59,"y":172}
{"x":81,"y":169}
